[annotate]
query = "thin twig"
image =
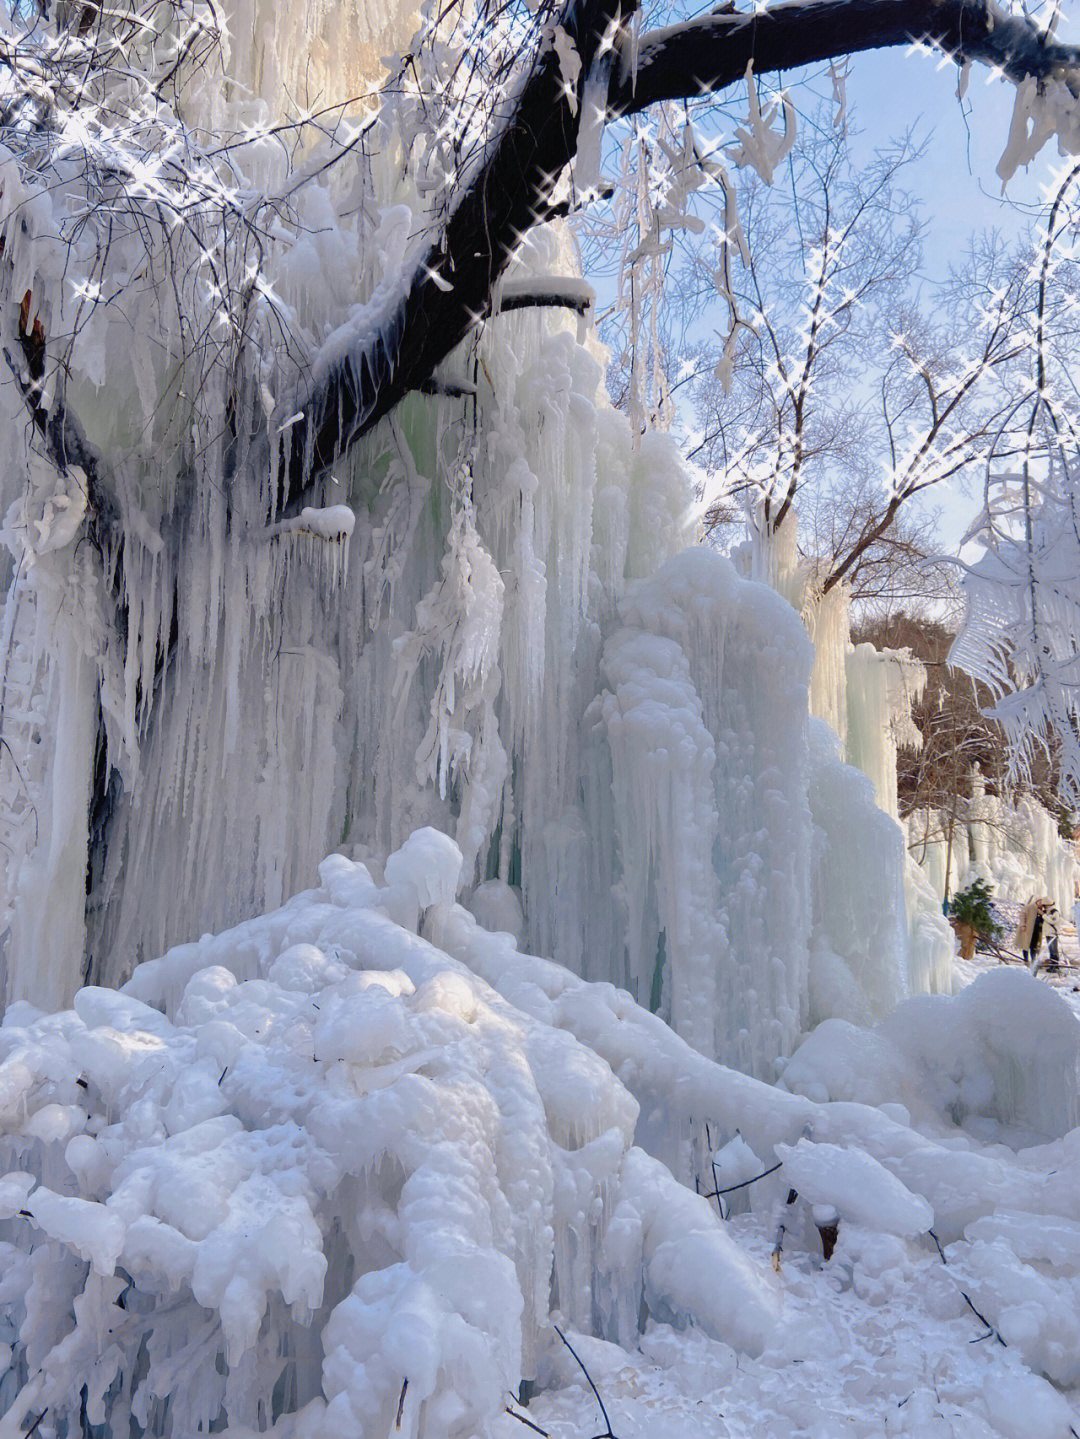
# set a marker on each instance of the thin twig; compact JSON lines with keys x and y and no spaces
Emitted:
{"x":608,"y":1433}
{"x":990,"y":1330}
{"x":982,"y":1320}
{"x":527,"y":1422}
{"x":715,"y":1174}
{"x":731,"y":1188}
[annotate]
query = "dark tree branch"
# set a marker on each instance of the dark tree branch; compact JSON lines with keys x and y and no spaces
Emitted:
{"x":545,"y":299}
{"x":713,"y":51}
{"x":608,"y":1432}
{"x":452,"y":288}
{"x":450,"y":389}
{"x":511,"y":191}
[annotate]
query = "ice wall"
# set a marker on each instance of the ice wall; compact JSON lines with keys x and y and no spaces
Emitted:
{"x":705,"y":718}
{"x":1016,"y":846}
{"x":859,"y":949}
{"x":877,"y":932}
{"x":882,"y":686}
{"x":490,"y":631}
{"x":499,"y":638}
{"x":1021,"y":848}
{"x":479,"y":622}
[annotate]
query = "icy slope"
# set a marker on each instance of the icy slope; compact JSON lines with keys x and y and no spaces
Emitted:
{"x":339,"y":1169}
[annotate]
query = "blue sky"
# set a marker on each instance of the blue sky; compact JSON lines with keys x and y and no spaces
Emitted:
{"x":956,"y":181}
{"x":890,"y":91}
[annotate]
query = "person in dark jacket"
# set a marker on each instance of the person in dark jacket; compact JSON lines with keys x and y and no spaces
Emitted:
{"x":1051,"y":919}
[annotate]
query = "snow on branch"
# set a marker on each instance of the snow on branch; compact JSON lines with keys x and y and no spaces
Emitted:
{"x":566,"y":293}
{"x":711,"y":52}
{"x":498,"y":129}
{"x":512,"y":189}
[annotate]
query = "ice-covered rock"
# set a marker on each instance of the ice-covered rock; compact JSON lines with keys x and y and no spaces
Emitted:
{"x":1001,"y":1058}
{"x":855,"y":1186}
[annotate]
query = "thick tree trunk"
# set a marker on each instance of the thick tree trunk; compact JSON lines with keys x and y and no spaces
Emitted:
{"x":967,"y":937}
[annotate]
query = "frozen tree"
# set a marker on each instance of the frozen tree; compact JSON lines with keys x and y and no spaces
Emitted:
{"x":324,"y":539}
{"x":853,"y":393}
{"x":1020,"y":633}
{"x":214,"y":294}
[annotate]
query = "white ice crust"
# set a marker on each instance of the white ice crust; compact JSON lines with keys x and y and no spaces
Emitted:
{"x":341,"y":1152}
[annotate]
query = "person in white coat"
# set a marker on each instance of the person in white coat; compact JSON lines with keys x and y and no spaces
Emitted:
{"x":1029,"y":932}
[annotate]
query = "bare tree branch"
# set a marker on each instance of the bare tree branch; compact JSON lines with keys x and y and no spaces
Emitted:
{"x":712,"y":52}
{"x":511,"y":190}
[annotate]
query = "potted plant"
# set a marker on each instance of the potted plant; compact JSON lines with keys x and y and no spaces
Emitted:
{"x":971,"y":915}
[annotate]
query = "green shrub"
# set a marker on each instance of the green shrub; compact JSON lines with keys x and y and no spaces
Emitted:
{"x":974,"y":906}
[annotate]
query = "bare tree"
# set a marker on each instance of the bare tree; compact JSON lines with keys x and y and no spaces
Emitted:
{"x":821,"y":257}
{"x":852,"y":397}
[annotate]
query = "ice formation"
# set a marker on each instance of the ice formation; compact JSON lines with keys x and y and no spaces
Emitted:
{"x":488,"y":608}
{"x":1043,"y":110}
{"x":877,"y":933}
{"x":331,"y":1173}
{"x":338,"y":1169}
{"x":497,"y":633}
{"x":1014,"y":844}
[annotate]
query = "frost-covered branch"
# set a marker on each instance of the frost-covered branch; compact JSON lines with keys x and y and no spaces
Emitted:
{"x":512,"y":188}
{"x":711,"y":52}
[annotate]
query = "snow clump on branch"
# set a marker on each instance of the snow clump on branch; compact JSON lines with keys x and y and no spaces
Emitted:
{"x":1042,"y":110}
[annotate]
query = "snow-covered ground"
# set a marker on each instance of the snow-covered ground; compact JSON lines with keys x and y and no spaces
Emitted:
{"x":894,"y":1352}
{"x":346,"y":1169}
{"x":884,"y":1343}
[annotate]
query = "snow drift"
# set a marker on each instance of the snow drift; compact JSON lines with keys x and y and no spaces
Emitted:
{"x":346,"y":1164}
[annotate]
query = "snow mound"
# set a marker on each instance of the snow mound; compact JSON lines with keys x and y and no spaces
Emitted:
{"x":1000,"y":1059}
{"x":331,"y":1173}
{"x":313,"y":1169}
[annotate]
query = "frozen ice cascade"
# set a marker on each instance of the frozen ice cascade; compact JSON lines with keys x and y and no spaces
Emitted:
{"x":502,"y":635}
{"x":337,"y":1167}
{"x":514,"y":647}
{"x":485,"y":620}
{"x":877,"y":932}
{"x":337,"y":1170}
